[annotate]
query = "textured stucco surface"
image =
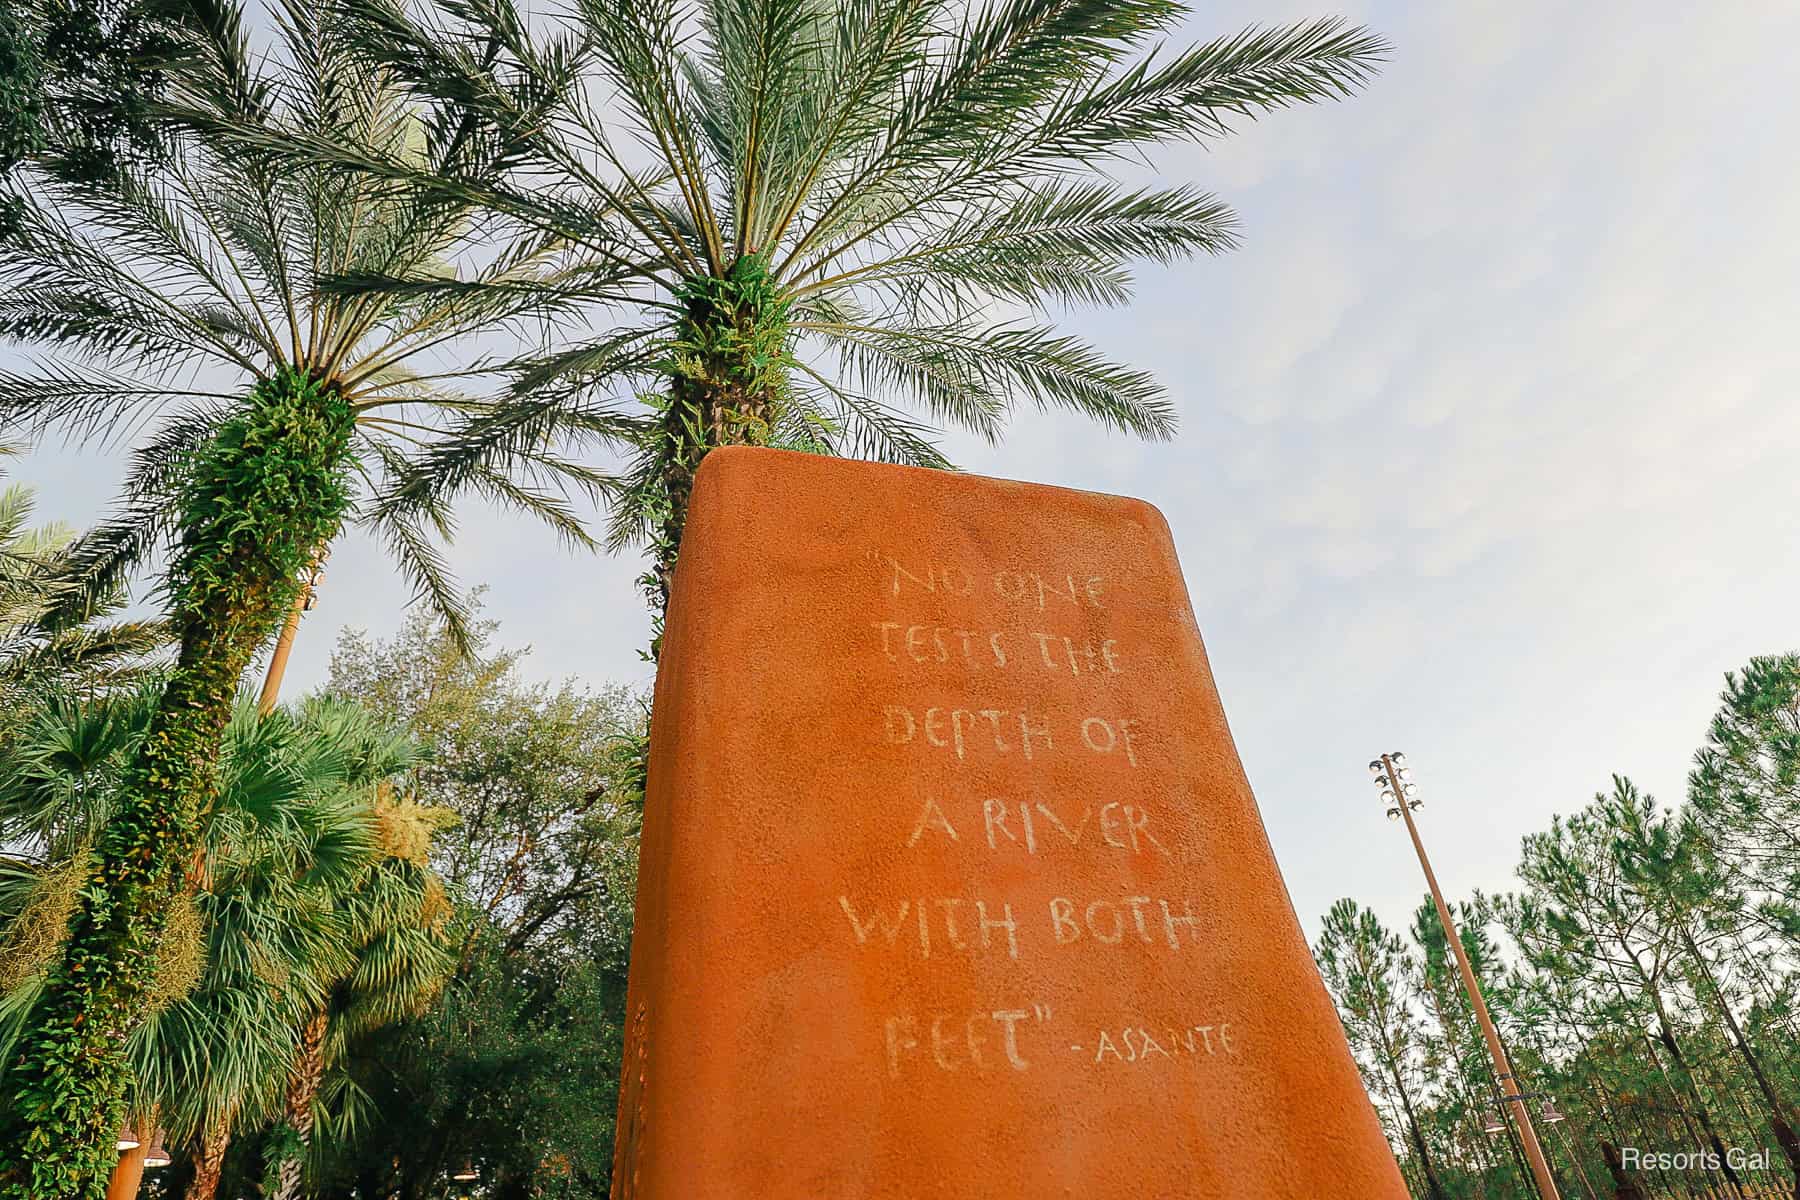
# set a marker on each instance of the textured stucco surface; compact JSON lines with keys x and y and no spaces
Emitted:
{"x":952,"y":884}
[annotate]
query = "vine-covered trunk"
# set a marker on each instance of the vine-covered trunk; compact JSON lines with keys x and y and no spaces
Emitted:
{"x":209,"y":1163}
{"x":259,"y":500}
{"x":292,"y":1143}
{"x":727,"y":387}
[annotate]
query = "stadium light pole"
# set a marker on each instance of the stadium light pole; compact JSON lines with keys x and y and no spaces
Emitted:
{"x":1394,"y":778}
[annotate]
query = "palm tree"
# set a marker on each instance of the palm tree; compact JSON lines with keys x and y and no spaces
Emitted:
{"x":192,"y":294}
{"x":43,"y":639}
{"x":394,"y":941}
{"x":313,"y":890}
{"x":852,"y":212}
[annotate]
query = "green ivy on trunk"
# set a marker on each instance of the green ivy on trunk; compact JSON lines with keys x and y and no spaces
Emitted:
{"x":261,"y":500}
{"x":728,"y":386}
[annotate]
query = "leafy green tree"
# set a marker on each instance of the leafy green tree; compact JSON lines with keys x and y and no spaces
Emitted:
{"x":213,"y":263}
{"x":1366,"y":968}
{"x":397,"y":954}
{"x":517,"y":1068}
{"x":543,"y":780}
{"x":1668,"y":864}
{"x":1458,"y":1043}
{"x":1744,"y":790}
{"x":1646,"y":983}
{"x":852,"y":213}
{"x":1590,"y":913}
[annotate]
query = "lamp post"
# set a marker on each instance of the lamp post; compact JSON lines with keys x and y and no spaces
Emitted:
{"x":1394,"y":778}
{"x":462,"y":1176}
{"x":140,"y":1146}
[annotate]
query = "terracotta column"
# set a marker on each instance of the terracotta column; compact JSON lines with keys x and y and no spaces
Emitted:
{"x":951,"y":881}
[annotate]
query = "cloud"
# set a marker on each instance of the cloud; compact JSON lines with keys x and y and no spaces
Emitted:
{"x":1488,"y":434}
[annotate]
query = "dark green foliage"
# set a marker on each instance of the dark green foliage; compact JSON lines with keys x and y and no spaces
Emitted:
{"x":78,"y":79}
{"x":1745,"y":789}
{"x":517,"y":1066}
{"x":728,"y":365}
{"x":262,"y":499}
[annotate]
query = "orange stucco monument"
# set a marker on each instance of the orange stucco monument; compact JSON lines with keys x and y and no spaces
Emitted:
{"x":951,"y":883}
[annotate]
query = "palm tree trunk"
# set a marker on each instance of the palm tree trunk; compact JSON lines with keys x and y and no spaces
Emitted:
{"x":302,"y":1089}
{"x":209,"y":1164}
{"x":726,"y":388}
{"x":263,"y":496}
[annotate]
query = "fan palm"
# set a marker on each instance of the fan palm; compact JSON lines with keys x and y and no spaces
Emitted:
{"x":191,"y":296}
{"x":835,"y":225}
{"x":309,"y":875}
{"x":396,"y":955}
{"x":398,"y":959}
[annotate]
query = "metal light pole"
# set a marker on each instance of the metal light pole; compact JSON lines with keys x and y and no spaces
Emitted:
{"x":1394,"y":778}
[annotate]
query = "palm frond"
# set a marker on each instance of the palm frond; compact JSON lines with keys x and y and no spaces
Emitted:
{"x":1199,"y":93}
{"x":974,"y":375}
{"x":97,"y":566}
{"x":639,"y":48}
{"x":1064,"y":242}
{"x":423,"y":566}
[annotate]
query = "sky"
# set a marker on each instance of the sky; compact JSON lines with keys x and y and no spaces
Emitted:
{"x":1487,"y":446}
